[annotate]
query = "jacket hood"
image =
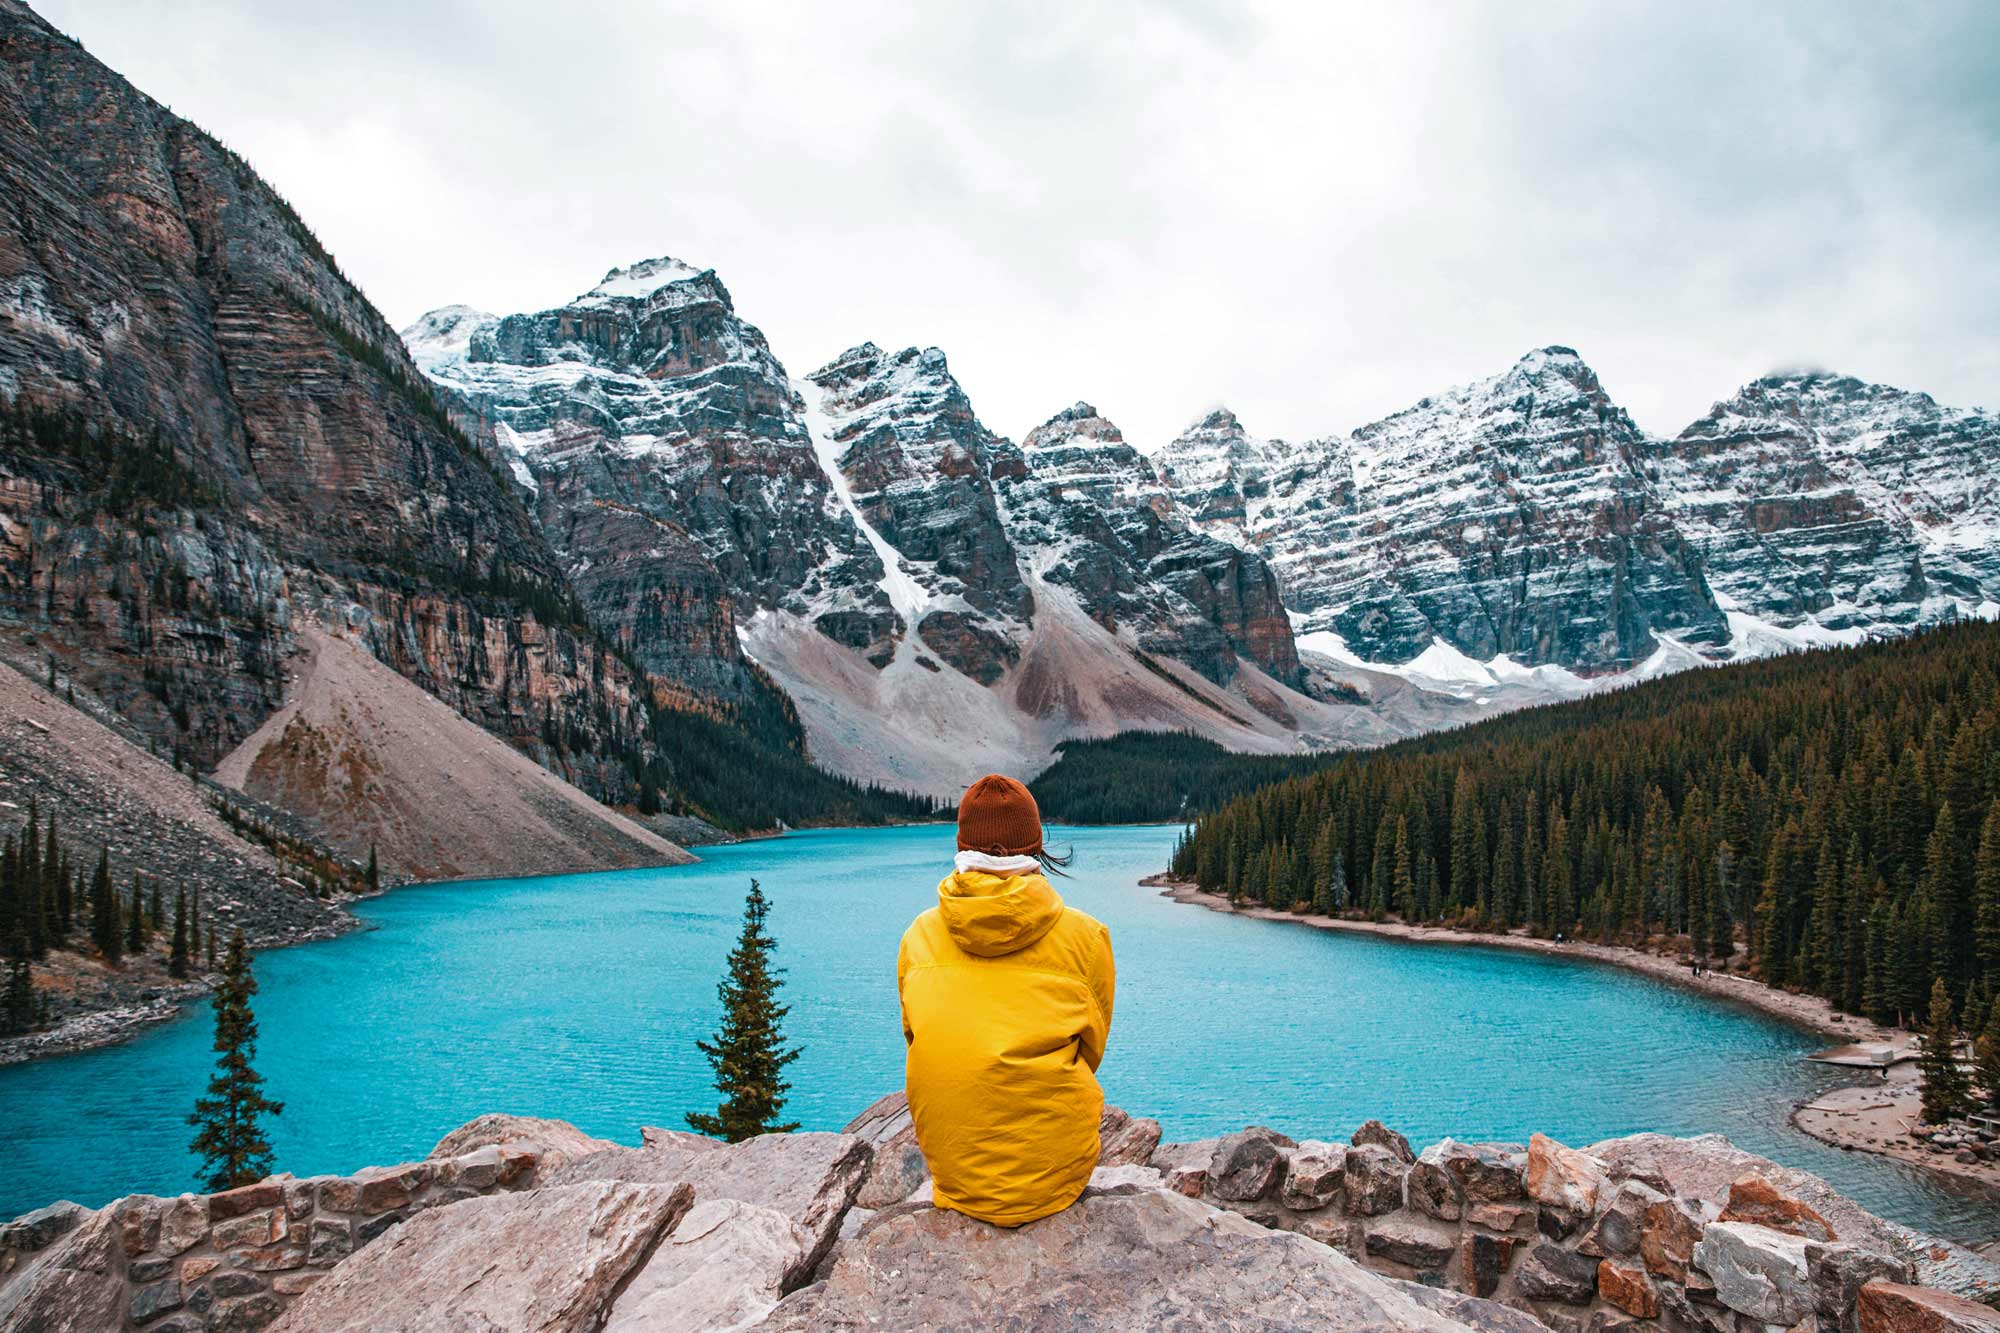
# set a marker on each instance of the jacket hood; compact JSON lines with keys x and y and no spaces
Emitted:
{"x":990,"y":914}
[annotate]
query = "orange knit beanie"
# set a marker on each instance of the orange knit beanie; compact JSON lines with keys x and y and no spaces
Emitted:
{"x":998,"y":816}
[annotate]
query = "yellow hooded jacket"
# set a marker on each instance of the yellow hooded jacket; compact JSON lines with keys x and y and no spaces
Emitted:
{"x":1006,"y":1007}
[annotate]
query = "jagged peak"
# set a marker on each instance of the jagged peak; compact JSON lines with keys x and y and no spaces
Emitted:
{"x":443,"y":334}
{"x":1078,"y":419}
{"x":640,"y":281}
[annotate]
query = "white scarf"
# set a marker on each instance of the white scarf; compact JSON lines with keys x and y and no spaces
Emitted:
{"x":997,"y":865}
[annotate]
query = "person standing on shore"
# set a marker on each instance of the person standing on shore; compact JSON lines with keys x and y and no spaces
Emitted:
{"x":1006,"y":997}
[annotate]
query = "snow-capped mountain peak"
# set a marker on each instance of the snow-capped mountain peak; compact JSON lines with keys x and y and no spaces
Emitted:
{"x":638,"y":282}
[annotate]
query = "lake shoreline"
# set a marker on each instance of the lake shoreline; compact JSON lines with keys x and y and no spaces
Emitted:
{"x":1869,"y":1118}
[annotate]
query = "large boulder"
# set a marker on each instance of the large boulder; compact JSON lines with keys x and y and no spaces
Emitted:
{"x":812,"y":1179}
{"x":1757,"y":1271}
{"x":551,"y":1260}
{"x":1128,"y":1260}
{"x":75,"y":1281}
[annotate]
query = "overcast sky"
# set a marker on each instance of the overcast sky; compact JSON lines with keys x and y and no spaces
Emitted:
{"x":1314,"y":216}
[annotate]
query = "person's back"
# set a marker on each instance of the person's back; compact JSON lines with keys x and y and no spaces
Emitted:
{"x":1006,"y":997}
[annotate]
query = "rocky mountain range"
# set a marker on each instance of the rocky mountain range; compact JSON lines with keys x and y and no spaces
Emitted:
{"x":1526,"y":517}
{"x":935,"y":599}
{"x":1511,"y":541}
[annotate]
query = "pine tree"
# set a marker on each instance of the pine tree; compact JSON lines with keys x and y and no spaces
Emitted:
{"x":19,"y":1009}
{"x":211,"y":947}
{"x":106,"y":930}
{"x":135,"y":921}
{"x":1986,"y":895}
{"x":374,"y":871}
{"x":229,"y":1136}
{"x":180,"y":960}
{"x":749,"y":1053}
{"x":1987,"y":1049}
{"x":1945,"y":1096}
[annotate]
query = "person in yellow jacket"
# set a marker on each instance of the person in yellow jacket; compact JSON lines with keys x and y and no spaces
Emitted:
{"x":1006,"y":1008}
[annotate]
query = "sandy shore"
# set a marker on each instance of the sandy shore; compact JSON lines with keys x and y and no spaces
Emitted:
{"x":1869,"y":1117}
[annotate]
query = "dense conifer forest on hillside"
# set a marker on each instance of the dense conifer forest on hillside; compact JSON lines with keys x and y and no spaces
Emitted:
{"x":1832,"y":819}
{"x":1150,"y":777}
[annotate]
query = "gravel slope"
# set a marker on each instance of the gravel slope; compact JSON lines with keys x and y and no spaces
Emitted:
{"x":365,"y":757}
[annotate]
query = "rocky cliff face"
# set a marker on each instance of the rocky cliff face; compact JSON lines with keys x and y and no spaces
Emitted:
{"x":1094,"y":518}
{"x":1825,"y":503}
{"x":513,"y":1223}
{"x":669,"y":464}
{"x":208,"y":432}
{"x":920,"y":470}
{"x":1527,"y":516}
{"x":1506,"y":517}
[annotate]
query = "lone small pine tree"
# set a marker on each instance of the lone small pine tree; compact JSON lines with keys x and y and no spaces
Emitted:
{"x":1945,"y":1094}
{"x":748,"y":1053}
{"x":229,"y":1137}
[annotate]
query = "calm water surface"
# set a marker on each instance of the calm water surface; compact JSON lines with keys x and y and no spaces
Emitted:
{"x":581,"y":997}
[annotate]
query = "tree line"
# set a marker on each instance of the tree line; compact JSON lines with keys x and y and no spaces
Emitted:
{"x":1830,"y":821}
{"x":1147,"y":777}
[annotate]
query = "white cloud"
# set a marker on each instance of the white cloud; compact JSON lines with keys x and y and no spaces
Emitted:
{"x":1316,"y":214}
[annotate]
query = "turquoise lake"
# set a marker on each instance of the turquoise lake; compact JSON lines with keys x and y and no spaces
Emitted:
{"x":581,"y":997}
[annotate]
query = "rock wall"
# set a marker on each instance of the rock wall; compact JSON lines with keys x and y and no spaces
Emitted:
{"x":234,"y":1260}
{"x":529,"y":1224}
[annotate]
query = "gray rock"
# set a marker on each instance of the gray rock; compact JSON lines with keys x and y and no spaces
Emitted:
{"x":810,"y":1178}
{"x":33,"y":1231}
{"x":1410,"y":1242}
{"x":1374,"y":1131}
{"x":898,"y":1166}
{"x":1472,"y":1311}
{"x":1617,"y":1230}
{"x":1247,"y":1165}
{"x":553,"y":1142}
{"x":1551,"y":1273}
{"x":1372,"y":1180}
{"x":1486,"y":1261}
{"x":1434,"y":1190}
{"x":1111,"y":1262}
{"x":152,"y":1301}
{"x":1488,"y":1172}
{"x":1757,"y":1271}
{"x":723,"y":1266}
{"x":550,"y":1260}
{"x":1125,"y":1140}
{"x":75,"y":1282}
{"x":1313,"y":1175}
{"x":1839,"y":1271}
